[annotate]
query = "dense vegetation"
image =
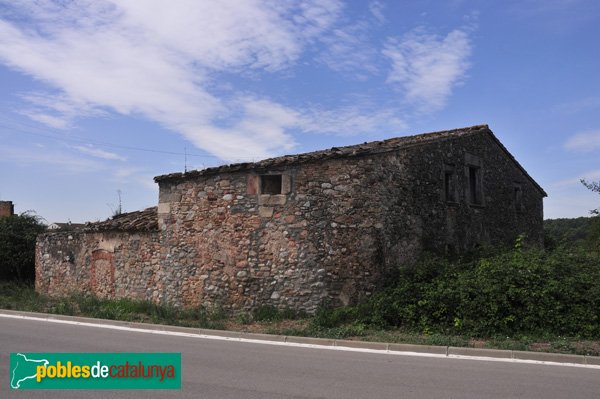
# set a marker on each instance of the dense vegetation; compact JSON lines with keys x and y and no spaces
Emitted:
{"x":17,"y":246}
{"x":553,"y":291}
{"x":582,"y":231}
{"x":527,"y":294}
{"x":523,"y":291}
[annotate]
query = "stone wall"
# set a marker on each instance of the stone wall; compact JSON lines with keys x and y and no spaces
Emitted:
{"x":420,"y":217}
{"x":6,"y":209}
{"x":106,"y":264}
{"x":298,"y":231}
{"x":237,"y":248}
{"x":338,"y":224}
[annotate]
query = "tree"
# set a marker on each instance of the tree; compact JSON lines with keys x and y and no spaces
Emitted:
{"x":594,"y":237}
{"x":594,"y":186}
{"x":17,"y":246}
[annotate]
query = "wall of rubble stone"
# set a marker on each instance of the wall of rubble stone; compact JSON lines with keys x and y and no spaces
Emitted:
{"x":338,"y":224}
{"x":339,"y":220}
{"x":106,"y":264}
{"x":419,"y":216}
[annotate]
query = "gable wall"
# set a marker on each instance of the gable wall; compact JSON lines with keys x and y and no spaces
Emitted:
{"x":419,"y":217}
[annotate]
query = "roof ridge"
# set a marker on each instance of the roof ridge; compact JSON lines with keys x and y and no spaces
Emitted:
{"x":372,"y":147}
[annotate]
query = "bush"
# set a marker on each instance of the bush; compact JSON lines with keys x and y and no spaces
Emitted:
{"x":516,"y":292}
{"x":271,"y":313}
{"x":582,"y":231}
{"x":17,"y":246}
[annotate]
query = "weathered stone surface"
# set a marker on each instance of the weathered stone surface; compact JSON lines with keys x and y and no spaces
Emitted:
{"x":107,"y":264}
{"x":344,"y":217}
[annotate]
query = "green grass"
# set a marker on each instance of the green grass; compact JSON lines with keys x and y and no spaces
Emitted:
{"x":23,"y":297}
{"x":273,"y":321}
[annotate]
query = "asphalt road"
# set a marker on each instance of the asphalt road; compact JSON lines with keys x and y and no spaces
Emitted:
{"x":225,"y":369}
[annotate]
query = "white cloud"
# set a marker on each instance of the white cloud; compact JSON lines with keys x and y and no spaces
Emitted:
{"x":57,"y":122}
{"x":351,"y":120}
{"x":157,"y":60}
{"x":591,"y":175}
{"x":426,"y":67}
{"x":584,"y":142}
{"x":580,"y":105}
{"x":376,"y":8}
{"x":349,"y":51}
{"x":98,"y":153}
{"x":33,"y":157}
{"x":164,"y":61}
{"x":569,"y":198}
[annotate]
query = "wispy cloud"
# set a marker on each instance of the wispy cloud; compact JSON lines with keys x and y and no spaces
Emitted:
{"x":164,"y":62}
{"x":554,"y":16}
{"x":426,"y":67}
{"x":590,"y":175}
{"x":376,"y":8}
{"x":569,"y":198}
{"x":580,"y":105}
{"x":98,"y":153}
{"x":158,"y":60}
{"x":584,"y":142}
{"x":349,"y":51}
{"x":351,"y":120}
{"x":42,"y":157}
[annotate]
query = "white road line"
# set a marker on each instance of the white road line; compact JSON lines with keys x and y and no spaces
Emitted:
{"x":293,"y":344}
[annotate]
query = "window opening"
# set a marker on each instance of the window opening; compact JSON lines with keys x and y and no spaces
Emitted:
{"x":450,"y":183}
{"x":270,"y":184}
{"x":518,"y":197}
{"x":475,"y":185}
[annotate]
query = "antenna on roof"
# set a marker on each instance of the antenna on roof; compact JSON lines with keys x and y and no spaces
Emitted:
{"x":120,"y":209}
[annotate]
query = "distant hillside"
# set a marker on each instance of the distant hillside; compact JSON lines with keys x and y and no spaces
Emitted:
{"x":582,"y":230}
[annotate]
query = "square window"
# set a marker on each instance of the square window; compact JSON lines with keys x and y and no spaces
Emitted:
{"x":270,"y":184}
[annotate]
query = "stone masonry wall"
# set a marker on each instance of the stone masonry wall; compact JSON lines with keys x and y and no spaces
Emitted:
{"x":333,"y":228}
{"x":6,"y":209}
{"x":106,"y":264}
{"x":419,"y":217}
{"x":337,"y":225}
{"x":237,"y":248}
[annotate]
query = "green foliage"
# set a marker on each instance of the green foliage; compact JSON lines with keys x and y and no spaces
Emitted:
{"x":23,"y":297}
{"x":17,"y":246}
{"x":572,"y":232}
{"x":516,"y":292}
{"x":271,"y":313}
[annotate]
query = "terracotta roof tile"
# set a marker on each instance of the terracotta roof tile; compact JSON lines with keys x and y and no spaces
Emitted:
{"x":146,"y":220}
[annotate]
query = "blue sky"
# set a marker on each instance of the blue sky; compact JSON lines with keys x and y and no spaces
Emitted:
{"x":100,"y":96}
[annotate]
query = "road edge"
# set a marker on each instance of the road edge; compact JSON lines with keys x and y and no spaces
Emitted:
{"x":327,"y":343}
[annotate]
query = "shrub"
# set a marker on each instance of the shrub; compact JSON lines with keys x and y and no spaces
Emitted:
{"x":515,"y":292}
{"x":271,"y":313}
{"x":17,"y":246}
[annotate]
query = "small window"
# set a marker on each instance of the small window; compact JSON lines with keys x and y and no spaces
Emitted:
{"x":518,"y":197}
{"x":270,"y":184}
{"x":475,"y":192}
{"x":450,"y":183}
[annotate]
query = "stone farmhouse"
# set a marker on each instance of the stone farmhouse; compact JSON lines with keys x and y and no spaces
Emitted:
{"x":297,"y":230}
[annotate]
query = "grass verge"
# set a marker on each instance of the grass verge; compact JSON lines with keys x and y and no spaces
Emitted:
{"x":270,"y":320}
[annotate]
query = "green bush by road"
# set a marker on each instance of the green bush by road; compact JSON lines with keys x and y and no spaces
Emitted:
{"x":516,"y":292}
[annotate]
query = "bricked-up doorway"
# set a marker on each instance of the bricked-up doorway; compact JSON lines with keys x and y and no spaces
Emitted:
{"x":103,"y":274}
